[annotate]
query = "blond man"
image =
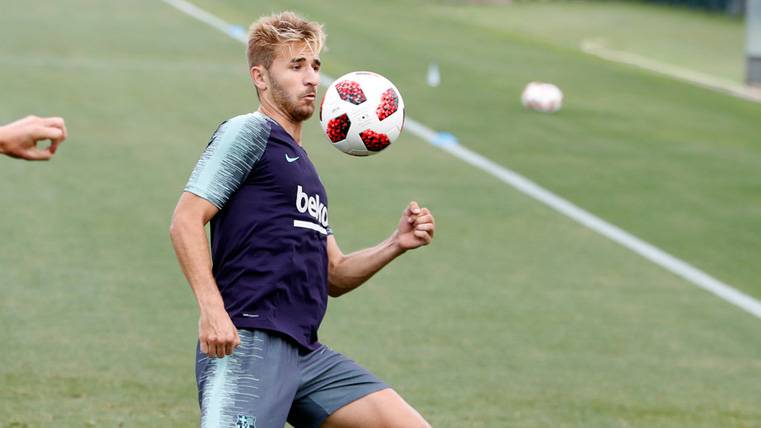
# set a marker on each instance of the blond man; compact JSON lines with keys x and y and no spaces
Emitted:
{"x":276,"y":260}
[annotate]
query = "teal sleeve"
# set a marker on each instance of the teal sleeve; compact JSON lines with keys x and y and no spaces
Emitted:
{"x":233,"y":151}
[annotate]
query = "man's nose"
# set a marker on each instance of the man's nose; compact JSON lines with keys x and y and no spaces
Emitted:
{"x":313,"y":77}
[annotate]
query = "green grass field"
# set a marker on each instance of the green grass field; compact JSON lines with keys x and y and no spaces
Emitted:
{"x":516,"y":316}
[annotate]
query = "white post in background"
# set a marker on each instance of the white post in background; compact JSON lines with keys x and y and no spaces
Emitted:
{"x":753,"y":20}
{"x":434,"y":76}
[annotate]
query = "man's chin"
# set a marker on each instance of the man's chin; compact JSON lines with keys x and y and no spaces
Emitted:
{"x":303,"y":113}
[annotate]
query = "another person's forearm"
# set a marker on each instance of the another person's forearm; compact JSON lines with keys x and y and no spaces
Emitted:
{"x":3,"y":140}
{"x":19,"y":139}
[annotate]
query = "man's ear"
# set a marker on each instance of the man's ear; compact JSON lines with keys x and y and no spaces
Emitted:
{"x":259,"y":77}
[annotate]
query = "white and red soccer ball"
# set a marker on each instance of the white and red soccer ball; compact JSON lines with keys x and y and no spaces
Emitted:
{"x":362,"y":113}
{"x":543,"y":97}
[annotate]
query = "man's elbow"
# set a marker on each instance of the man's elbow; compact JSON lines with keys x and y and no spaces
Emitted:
{"x":334,"y":291}
{"x":334,"y":280}
{"x":174,"y":227}
{"x":178,"y":226}
{"x":333,"y":276}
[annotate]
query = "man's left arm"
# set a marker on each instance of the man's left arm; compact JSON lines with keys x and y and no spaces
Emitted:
{"x":347,"y":272}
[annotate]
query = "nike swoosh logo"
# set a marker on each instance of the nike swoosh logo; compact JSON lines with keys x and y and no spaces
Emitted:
{"x":290,"y":159}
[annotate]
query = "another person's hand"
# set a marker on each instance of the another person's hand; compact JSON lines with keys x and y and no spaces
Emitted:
{"x":416,"y":227}
{"x":217,"y":334}
{"x":19,"y":139}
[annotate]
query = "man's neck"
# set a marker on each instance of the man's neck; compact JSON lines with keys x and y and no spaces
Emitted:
{"x":291,"y":127}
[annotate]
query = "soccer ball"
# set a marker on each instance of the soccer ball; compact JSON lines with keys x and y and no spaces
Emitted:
{"x":362,"y":113}
{"x":543,"y":97}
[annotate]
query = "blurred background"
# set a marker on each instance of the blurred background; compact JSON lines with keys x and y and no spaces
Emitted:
{"x":516,"y":316}
{"x":732,"y":7}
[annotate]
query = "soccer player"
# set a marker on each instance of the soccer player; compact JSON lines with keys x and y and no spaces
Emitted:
{"x":275,"y":259}
{"x":19,"y":139}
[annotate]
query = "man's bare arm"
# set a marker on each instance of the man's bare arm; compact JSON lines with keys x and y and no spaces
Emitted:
{"x":216,"y":333}
{"x":347,"y":272}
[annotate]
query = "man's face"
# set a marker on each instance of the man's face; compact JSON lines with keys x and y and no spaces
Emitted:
{"x":293,"y":78}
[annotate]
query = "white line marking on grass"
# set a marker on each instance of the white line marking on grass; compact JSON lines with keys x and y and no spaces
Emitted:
{"x":596,"y":48}
{"x":614,"y":233}
{"x":448,"y":143}
{"x":196,"y":12}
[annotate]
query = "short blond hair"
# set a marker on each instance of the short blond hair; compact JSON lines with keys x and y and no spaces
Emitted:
{"x":270,"y":32}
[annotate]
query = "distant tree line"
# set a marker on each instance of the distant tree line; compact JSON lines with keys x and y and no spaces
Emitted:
{"x":732,"y":7}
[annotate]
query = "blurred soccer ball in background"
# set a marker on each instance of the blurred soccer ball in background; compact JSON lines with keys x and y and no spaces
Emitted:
{"x":362,"y":113}
{"x":543,"y":97}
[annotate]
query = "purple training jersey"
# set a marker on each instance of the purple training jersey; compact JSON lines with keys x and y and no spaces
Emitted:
{"x":269,"y":238}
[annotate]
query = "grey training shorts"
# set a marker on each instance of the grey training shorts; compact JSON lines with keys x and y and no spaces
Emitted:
{"x":267,"y":381}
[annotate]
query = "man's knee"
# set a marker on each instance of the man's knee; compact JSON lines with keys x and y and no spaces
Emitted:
{"x":421,"y":424}
{"x":414,"y":420}
{"x":382,"y":409}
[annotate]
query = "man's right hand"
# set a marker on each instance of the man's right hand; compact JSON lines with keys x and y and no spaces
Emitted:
{"x":216,"y":333}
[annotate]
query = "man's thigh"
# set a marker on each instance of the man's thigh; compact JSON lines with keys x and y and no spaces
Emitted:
{"x":333,"y":384}
{"x":253,"y":387}
{"x":382,"y":409}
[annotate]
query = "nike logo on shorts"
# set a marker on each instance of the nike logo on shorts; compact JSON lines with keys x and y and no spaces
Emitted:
{"x":290,"y":159}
